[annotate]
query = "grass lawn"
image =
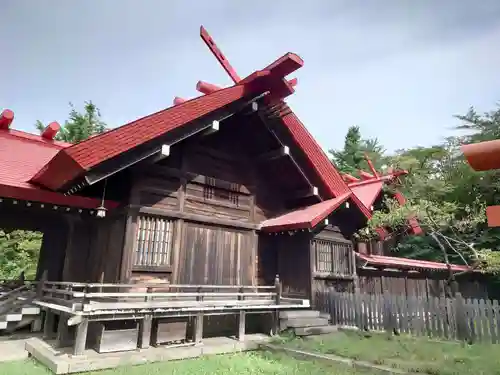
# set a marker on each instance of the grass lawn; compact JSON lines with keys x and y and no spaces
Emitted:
{"x":407,"y":353}
{"x":250,"y":363}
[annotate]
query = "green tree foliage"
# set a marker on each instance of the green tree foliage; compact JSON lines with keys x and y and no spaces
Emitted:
{"x":80,"y":125}
{"x":352,"y":157}
{"x":19,"y":251}
{"x":448,"y":197}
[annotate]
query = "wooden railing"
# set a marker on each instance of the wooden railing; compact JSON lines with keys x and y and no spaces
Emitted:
{"x":79,"y":303}
{"x":115,"y":298}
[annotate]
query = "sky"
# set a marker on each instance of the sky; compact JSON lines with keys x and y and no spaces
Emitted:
{"x":399,"y":69}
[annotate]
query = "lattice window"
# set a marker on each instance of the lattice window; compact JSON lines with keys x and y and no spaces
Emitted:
{"x":154,"y":241}
{"x":333,"y":257}
{"x":209,"y":188}
{"x":324,"y":256}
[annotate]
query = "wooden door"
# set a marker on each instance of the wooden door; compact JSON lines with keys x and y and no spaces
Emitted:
{"x":216,"y":256}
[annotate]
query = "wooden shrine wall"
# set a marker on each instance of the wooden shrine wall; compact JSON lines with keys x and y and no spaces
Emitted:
{"x":197,"y":213}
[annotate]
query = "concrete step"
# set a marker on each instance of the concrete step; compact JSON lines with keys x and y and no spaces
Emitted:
{"x":308,"y":331}
{"x":304,"y":322}
{"x":3,"y":325}
{"x":293,"y":314}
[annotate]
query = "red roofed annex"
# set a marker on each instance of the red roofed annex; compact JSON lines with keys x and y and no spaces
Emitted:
{"x":228,"y":188}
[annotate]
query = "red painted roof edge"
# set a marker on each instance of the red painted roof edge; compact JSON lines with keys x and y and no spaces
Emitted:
{"x":54,"y":177}
{"x":43,"y":196}
{"x":336,"y":202}
{"x":410,"y":263}
{"x":483,"y":156}
{"x":35,"y":138}
{"x":57,"y":172}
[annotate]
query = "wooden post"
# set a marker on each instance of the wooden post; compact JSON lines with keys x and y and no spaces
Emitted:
{"x":145,"y":327}
{"x":241,"y":326}
{"x":388,"y":318}
{"x":41,"y":285}
{"x":81,"y":337}
{"x":198,"y":328}
{"x":145,"y":332}
{"x":277,"y":289}
{"x":358,"y":311}
{"x":198,"y":322}
{"x":461,"y":318}
{"x":48,"y":325}
{"x":62,"y":331}
{"x":277,"y":301}
{"x":242,"y":318}
{"x":36,"y":325}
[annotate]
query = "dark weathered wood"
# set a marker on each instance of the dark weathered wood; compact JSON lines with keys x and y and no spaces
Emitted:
{"x":145,"y":332}
{"x":197,"y":218}
{"x":81,"y":337}
{"x":48,"y":325}
{"x":62,"y":331}
{"x":112,"y":339}
{"x":169,"y":330}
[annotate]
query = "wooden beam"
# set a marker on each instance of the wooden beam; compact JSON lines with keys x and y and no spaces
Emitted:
{"x":164,"y":153}
{"x":274,"y":154}
{"x":312,"y":191}
{"x":194,"y":217}
{"x":214,"y":127}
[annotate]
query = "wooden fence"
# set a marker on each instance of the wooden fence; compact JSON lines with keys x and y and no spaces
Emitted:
{"x":470,"y":319}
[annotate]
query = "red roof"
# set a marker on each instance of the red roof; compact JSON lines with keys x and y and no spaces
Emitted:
{"x":23,"y":154}
{"x":75,"y":160}
{"x":305,"y":217}
{"x":368,"y":193}
{"x":380,"y":260}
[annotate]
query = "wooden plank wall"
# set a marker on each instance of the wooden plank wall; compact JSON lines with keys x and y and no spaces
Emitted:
{"x":294,"y":267}
{"x":339,"y":275}
{"x":423,"y":285}
{"x":215,"y":255}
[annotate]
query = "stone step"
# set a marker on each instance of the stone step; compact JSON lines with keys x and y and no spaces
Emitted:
{"x":30,"y":310}
{"x":292,"y":314}
{"x":13,"y":317}
{"x":304,"y":322}
{"x":308,"y":331}
{"x":3,"y":325}
{"x":324,"y":315}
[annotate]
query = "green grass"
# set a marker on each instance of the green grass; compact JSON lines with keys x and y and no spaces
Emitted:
{"x":412,"y":354}
{"x":250,"y":363}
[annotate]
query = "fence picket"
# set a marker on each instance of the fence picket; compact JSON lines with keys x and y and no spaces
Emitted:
{"x":496,"y":321}
{"x":439,"y":317}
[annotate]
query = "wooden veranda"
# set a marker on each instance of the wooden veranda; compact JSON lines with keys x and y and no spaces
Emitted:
{"x":156,"y":313}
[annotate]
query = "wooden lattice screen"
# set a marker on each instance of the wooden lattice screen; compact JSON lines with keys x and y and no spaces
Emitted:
{"x":333,"y":257}
{"x":154,"y":241}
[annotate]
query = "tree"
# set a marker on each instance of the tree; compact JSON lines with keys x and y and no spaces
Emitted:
{"x":19,"y":251}
{"x":352,"y":157}
{"x":79,"y":126}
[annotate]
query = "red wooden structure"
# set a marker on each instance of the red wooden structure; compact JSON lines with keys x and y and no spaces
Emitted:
{"x":485,"y":156}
